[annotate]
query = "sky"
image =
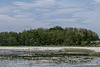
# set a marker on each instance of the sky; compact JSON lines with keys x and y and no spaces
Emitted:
{"x":19,"y":15}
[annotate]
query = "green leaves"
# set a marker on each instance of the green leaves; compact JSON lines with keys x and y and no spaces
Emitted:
{"x":52,"y":36}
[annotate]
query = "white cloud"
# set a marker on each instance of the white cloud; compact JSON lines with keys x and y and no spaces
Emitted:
{"x":45,"y":10}
{"x":13,"y":18}
{"x":37,"y":3}
{"x":61,"y":13}
{"x":22,"y":15}
{"x":8,"y":23}
{"x":61,"y":20}
{"x":97,"y":1}
{"x":5,"y":18}
{"x":64,"y":20}
{"x":16,"y":11}
{"x":5,"y":9}
{"x":45,"y":13}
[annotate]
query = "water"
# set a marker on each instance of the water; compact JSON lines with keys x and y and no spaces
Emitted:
{"x":14,"y":58}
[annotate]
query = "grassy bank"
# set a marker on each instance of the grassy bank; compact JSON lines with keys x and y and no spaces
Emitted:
{"x":92,"y":53}
{"x":76,"y":50}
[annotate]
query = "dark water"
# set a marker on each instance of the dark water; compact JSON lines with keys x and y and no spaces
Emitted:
{"x":13,"y":58}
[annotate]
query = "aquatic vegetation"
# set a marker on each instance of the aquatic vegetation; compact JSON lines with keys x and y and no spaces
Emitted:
{"x":95,"y":54}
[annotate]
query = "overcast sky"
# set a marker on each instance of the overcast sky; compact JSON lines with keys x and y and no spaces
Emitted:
{"x":17,"y":15}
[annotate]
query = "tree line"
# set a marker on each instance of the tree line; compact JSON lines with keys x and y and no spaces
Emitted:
{"x":56,"y":36}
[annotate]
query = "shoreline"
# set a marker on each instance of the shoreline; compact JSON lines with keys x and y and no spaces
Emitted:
{"x":96,"y":49}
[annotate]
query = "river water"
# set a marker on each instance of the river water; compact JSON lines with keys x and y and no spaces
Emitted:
{"x":13,"y":58}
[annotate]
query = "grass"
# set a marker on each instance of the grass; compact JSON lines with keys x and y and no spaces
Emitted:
{"x":76,"y":50}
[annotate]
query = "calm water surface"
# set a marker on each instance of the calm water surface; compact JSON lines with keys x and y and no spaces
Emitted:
{"x":28,"y":59}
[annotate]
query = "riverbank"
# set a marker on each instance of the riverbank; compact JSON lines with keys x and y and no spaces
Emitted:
{"x":96,"y":49}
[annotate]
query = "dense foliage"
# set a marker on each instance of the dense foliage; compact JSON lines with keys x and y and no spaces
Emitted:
{"x":52,"y":36}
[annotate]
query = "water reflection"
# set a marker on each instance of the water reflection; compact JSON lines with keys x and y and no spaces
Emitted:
{"x":49,"y":61}
{"x":21,"y":58}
